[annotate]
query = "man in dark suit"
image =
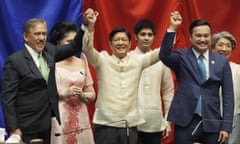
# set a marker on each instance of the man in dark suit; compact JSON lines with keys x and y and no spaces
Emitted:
{"x":199,"y":86}
{"x":30,"y":98}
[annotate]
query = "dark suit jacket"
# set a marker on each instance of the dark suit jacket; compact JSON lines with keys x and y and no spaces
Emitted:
{"x":184,"y":63}
{"x":28,"y":101}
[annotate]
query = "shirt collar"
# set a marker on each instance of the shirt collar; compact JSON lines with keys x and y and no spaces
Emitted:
{"x":123,"y":60}
{"x":32,"y":52}
{"x":197,"y":54}
{"x":137,"y":49}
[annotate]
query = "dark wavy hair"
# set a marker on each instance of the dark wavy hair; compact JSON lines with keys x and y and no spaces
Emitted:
{"x":60,"y":30}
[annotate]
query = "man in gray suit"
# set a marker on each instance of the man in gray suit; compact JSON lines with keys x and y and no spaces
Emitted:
{"x":29,"y":97}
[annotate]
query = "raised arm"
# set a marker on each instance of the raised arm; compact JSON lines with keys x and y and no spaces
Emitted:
{"x":89,"y":20}
{"x":169,"y":38}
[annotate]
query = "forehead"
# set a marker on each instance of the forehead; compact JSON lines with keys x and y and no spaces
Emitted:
{"x":120,"y":35}
{"x":223,"y":39}
{"x":202,"y":29}
{"x":38,"y":27}
{"x":146,"y":30}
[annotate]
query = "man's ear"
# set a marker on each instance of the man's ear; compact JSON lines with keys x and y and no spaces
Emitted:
{"x":25,"y":37}
{"x":110,"y":44}
{"x":135,"y":36}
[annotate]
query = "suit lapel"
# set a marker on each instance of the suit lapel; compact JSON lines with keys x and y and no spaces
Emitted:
{"x":194,"y":65}
{"x":31,"y":64}
{"x":33,"y":67}
{"x":49,"y":59}
{"x":211,"y":64}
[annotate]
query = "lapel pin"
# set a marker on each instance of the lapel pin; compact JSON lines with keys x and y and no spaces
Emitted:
{"x":212,"y":62}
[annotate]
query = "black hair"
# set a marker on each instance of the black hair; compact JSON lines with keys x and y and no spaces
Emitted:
{"x":117,"y":30}
{"x":59,"y":31}
{"x":145,"y":23}
{"x":198,"y":22}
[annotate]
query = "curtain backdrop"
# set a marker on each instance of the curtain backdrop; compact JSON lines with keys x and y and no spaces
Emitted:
{"x":222,"y":15}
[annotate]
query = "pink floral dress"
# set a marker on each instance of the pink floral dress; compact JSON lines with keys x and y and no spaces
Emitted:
{"x":75,"y":128}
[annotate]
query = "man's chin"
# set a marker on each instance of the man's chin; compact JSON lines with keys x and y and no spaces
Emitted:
{"x":40,"y":48}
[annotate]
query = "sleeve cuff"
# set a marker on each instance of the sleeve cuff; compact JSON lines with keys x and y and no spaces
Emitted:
{"x":170,"y":31}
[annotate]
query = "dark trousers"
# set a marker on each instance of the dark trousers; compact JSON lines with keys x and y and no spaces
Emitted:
{"x":184,"y":135}
{"x":45,"y":136}
{"x":149,"y":138}
{"x":114,"y":135}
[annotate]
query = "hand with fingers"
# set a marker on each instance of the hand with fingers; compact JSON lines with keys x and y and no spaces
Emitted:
{"x":175,"y":20}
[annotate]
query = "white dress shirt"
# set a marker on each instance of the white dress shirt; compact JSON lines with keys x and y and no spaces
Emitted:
{"x":34,"y":55}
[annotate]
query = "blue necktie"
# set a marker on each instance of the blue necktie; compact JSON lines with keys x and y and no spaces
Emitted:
{"x":202,"y":68}
{"x":203,"y":74}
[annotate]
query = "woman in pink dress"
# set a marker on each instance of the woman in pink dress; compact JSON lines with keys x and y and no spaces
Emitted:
{"x":75,"y":88}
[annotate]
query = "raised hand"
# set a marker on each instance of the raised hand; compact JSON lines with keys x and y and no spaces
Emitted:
{"x":90,"y":18}
{"x":175,"y":20}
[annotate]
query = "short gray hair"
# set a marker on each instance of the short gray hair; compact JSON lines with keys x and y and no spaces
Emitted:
{"x":31,"y":23}
{"x":226,"y":35}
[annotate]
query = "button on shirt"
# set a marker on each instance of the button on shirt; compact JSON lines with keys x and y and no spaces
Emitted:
{"x":117,"y":84}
